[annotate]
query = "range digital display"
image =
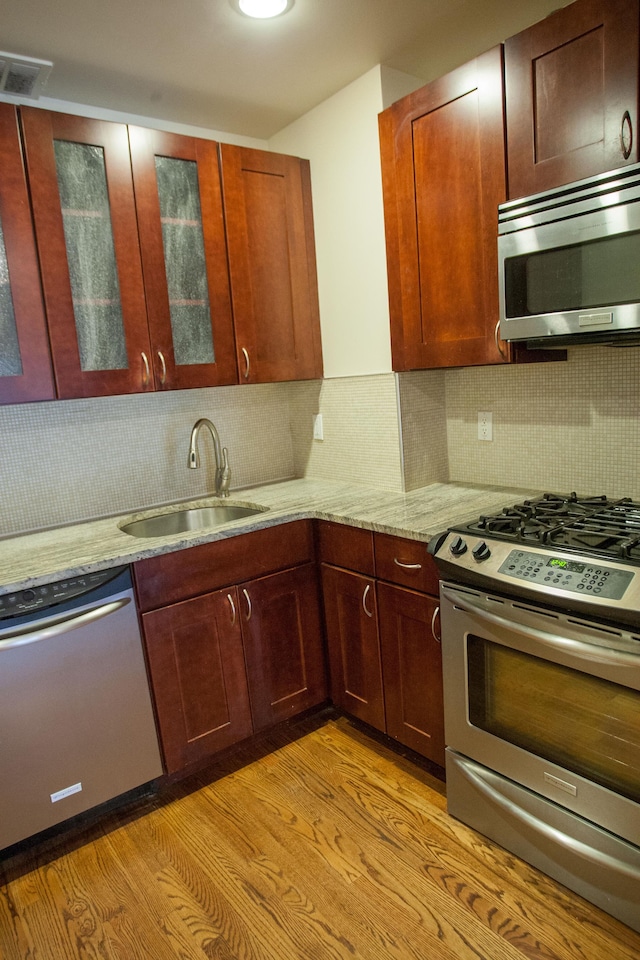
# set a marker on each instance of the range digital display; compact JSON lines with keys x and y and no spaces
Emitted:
{"x":569,"y":565}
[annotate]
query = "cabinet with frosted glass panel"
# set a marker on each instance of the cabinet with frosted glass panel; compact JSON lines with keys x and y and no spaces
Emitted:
{"x":125,"y":313}
{"x":153,"y":280}
{"x":25,"y":368}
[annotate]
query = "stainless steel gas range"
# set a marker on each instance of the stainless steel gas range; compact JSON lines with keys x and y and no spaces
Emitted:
{"x":540,"y":615}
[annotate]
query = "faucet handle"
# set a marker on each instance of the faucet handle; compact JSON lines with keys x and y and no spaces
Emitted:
{"x":224,"y":474}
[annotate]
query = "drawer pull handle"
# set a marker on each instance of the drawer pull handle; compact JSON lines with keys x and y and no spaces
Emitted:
{"x":435,"y":636}
{"x":369,"y":613}
{"x":249,"y":607}
{"x":407,"y":566}
{"x":233,"y":609}
{"x":496,"y":334}
{"x":145,"y":374}
{"x":247,"y":363}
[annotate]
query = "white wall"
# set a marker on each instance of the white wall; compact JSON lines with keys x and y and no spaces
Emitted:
{"x":340,"y":138}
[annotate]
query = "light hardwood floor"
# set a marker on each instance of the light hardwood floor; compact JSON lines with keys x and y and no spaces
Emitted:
{"x":329,"y":847}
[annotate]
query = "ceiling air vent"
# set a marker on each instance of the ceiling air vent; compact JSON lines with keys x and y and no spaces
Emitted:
{"x":22,"y":77}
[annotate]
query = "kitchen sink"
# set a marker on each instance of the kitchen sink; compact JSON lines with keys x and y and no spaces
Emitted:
{"x":191,"y":518}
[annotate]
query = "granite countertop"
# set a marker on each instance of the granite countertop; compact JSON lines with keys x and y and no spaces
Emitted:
{"x":32,"y":559}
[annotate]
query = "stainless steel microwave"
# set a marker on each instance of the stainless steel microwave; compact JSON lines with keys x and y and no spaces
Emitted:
{"x":569,"y":263}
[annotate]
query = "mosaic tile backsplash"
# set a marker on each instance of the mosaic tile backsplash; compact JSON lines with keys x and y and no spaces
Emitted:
{"x":557,"y":426}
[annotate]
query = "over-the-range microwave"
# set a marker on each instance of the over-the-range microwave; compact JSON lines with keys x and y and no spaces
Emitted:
{"x":569,"y":263}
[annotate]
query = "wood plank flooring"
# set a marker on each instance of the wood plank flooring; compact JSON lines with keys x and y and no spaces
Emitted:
{"x":330,"y":847}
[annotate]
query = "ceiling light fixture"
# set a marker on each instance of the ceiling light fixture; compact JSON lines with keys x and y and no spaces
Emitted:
{"x":263,"y":9}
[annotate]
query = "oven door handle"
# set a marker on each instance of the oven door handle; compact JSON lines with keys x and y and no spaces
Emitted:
{"x":583,"y":850}
{"x":585,"y":651}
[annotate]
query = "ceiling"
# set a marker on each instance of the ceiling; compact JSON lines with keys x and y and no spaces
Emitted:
{"x":200,"y":62}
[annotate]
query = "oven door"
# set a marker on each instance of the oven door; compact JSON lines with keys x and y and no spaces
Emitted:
{"x":548,"y":700}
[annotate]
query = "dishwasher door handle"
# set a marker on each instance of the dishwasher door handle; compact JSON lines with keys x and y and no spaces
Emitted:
{"x":63,"y":624}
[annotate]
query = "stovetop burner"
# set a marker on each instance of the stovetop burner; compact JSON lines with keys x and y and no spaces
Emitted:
{"x":596,"y":526}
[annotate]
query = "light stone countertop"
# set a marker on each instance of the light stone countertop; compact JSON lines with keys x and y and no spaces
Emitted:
{"x":57,"y":554}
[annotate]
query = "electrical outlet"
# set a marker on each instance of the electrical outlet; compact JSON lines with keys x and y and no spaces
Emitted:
{"x":485,"y":426}
{"x":318,"y":433}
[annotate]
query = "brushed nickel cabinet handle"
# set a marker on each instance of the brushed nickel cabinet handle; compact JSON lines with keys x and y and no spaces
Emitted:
{"x":247,"y":363}
{"x":146,"y":374}
{"x":496,"y":334}
{"x":369,"y":613}
{"x":435,"y":636}
{"x":163,"y":374}
{"x":407,"y":566}
{"x":626,"y":135}
{"x":249,"y":607}
{"x":233,"y":609}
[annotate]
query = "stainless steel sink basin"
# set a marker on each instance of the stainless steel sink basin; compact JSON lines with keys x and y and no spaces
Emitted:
{"x":191,"y":518}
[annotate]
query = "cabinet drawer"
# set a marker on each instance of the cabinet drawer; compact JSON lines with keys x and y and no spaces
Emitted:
{"x":343,"y":546}
{"x":405,"y":562}
{"x":186,"y":573}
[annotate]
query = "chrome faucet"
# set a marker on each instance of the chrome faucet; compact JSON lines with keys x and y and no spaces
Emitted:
{"x":223,"y":470}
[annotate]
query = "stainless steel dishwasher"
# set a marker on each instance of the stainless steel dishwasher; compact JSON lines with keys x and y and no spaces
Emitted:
{"x":76,"y":720}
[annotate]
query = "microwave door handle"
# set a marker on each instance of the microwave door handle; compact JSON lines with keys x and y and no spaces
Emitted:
{"x":583,"y":850}
{"x":578,"y":648}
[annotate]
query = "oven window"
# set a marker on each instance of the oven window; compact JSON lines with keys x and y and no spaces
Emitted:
{"x":584,"y":724}
{"x":601,"y":273}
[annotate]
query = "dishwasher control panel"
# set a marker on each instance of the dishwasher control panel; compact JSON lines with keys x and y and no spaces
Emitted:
{"x":48,"y":594}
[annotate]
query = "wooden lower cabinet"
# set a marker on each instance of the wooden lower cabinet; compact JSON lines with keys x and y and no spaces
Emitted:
{"x":238,"y":644}
{"x":283,"y":644}
{"x":385,"y":661}
{"x":196,"y":661}
{"x":351,"y":620}
{"x":412,"y":667}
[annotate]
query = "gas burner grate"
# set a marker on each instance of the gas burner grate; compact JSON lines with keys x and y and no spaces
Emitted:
{"x":596,"y":524}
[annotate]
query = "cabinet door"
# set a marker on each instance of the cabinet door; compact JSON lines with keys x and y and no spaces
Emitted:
{"x":269,"y":222}
{"x":25,"y":366}
{"x":198,"y":677}
{"x":412,"y":664}
{"x":355,"y":664}
{"x":571,"y":95}
{"x":283,"y":644}
{"x":83,"y":206}
{"x":443,"y":167}
{"x":184,"y":258}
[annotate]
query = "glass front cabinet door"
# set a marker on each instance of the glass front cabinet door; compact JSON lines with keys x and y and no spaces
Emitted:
{"x":25,"y":367}
{"x":184,"y":258}
{"x":85,"y":220}
{"x":132,"y":250}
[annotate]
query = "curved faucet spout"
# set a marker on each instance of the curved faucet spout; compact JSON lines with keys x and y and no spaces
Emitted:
{"x":223,"y":470}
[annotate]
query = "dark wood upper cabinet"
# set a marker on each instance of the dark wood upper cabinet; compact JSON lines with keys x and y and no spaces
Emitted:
{"x":25,"y":365}
{"x":572,"y":95}
{"x":443,"y":170}
{"x":270,"y":239}
{"x":85,"y":221}
{"x":184,"y":258}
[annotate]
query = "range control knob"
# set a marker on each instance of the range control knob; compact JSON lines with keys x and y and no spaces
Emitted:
{"x":457,"y":547}
{"x":481,"y":552}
